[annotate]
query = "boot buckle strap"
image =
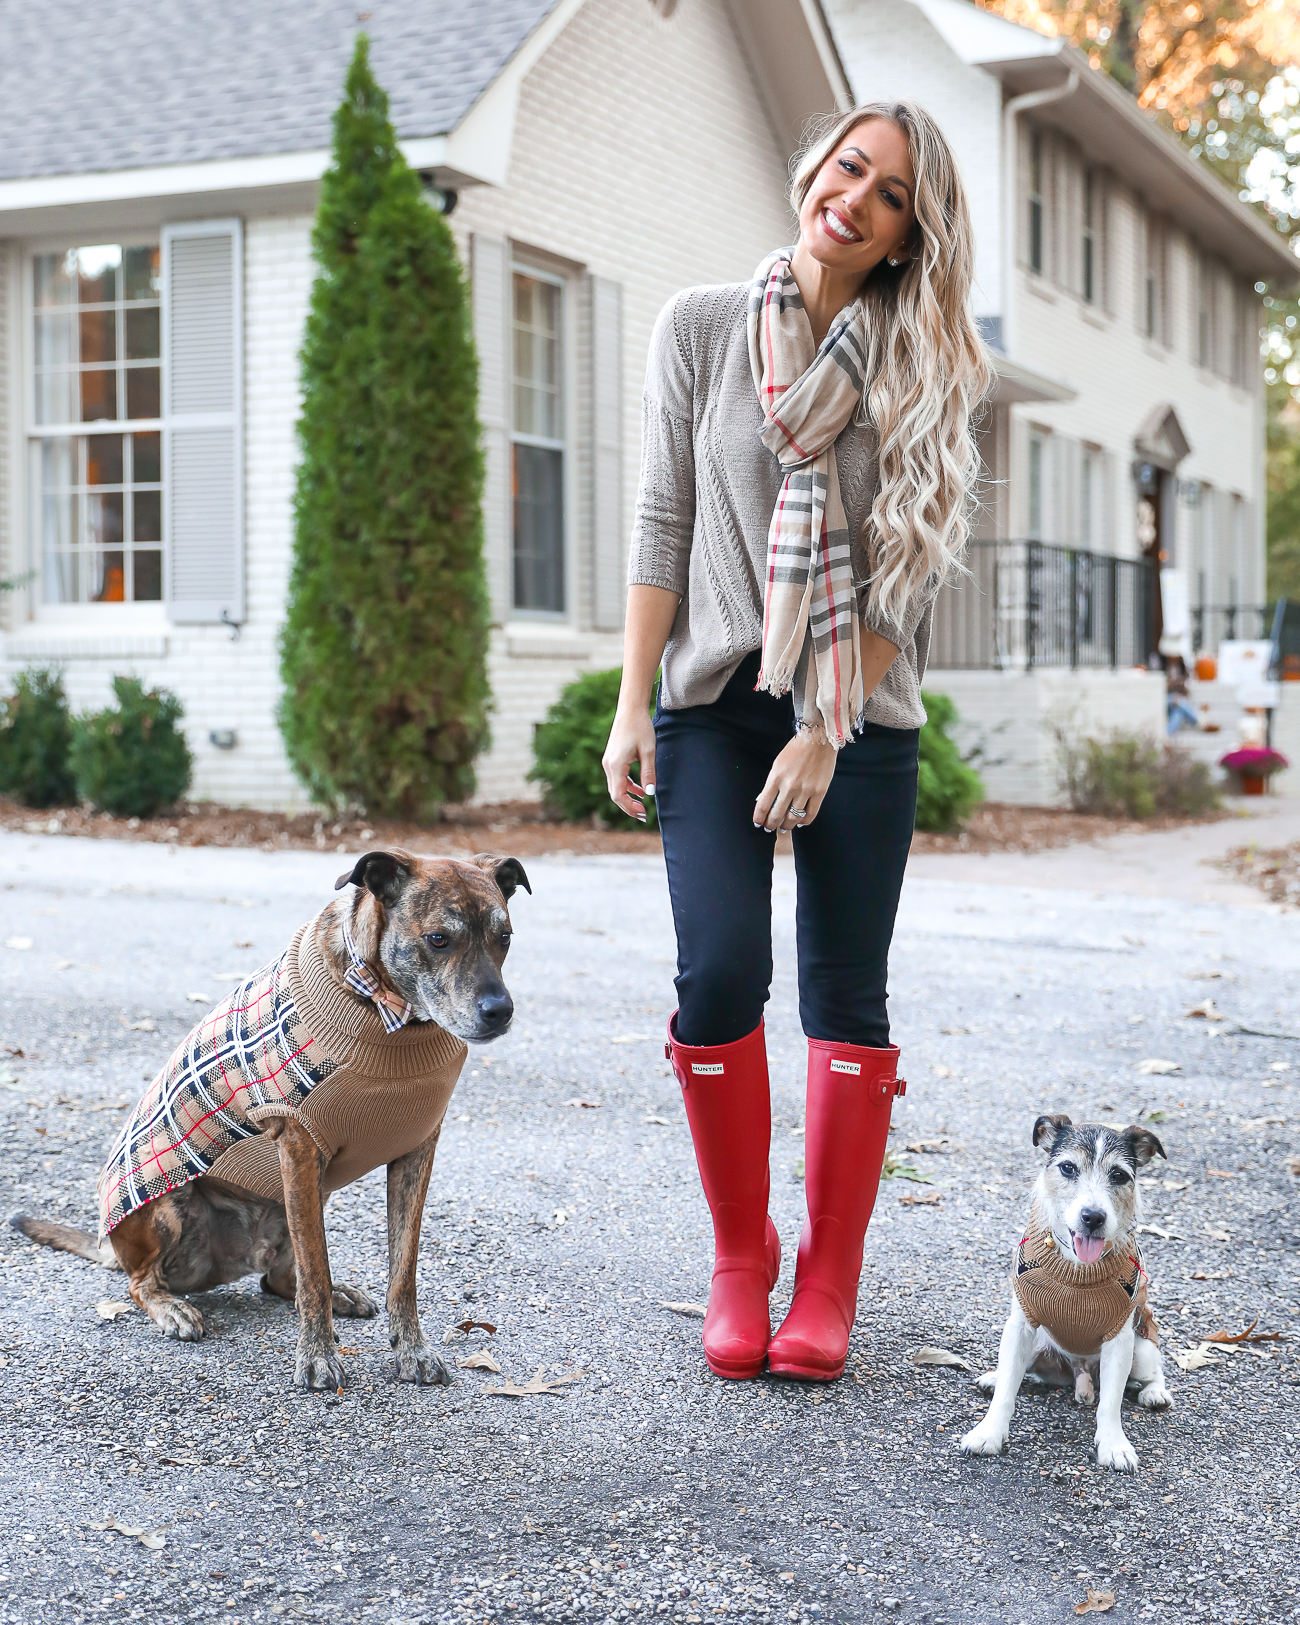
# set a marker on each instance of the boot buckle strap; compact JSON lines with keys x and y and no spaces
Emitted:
{"x":886,"y":1088}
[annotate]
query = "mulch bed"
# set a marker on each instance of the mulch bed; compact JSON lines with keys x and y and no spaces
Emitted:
{"x":1275,"y":870}
{"x":524,"y":829}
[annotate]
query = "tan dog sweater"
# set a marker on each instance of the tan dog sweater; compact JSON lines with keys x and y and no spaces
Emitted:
{"x":292,"y":1041}
{"x":1081,"y":1306}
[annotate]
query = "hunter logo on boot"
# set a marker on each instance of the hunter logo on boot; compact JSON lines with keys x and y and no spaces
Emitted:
{"x":847,"y":1066}
{"x":711,"y":1069}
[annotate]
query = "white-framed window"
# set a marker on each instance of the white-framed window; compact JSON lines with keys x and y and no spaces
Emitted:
{"x":1036,"y":200}
{"x":1204,"y":350}
{"x":95,"y":463}
{"x":1036,"y":484}
{"x":1088,"y":461}
{"x":1153,"y":280}
{"x":538,"y":441}
{"x":1091,"y":263}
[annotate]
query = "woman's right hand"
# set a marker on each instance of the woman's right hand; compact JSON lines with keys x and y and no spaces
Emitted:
{"x":631,"y":739}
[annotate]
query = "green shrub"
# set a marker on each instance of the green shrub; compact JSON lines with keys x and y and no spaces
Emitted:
{"x":568,"y":746}
{"x":35,"y":738}
{"x":384,"y":650}
{"x":1125,"y":775}
{"x":947,"y":787}
{"x":132,"y":760}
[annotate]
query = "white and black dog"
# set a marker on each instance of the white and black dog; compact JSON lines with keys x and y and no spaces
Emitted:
{"x":1078,"y":1301}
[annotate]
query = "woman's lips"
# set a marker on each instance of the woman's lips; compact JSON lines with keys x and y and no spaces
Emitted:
{"x":838,"y":229}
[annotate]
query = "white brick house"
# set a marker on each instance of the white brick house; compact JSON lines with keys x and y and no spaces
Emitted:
{"x":155,"y":268}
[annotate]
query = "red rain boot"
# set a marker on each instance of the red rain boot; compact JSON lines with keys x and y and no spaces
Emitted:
{"x":850,"y":1093}
{"x":729,"y":1109}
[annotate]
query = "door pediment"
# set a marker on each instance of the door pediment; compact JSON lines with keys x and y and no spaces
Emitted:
{"x":1160,"y":438}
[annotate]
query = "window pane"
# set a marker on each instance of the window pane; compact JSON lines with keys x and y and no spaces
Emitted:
{"x":104,"y":459}
{"x":98,"y":396}
{"x":148,"y":577}
{"x":143,"y":392}
{"x":62,"y":578}
{"x":98,"y":334}
{"x":56,"y":279}
{"x":97,"y":269}
{"x":146,"y":522}
{"x":54,"y":397}
{"x":54,"y":343}
{"x":141,"y":334}
{"x":106,"y":583}
{"x":539,"y":528}
{"x":143,"y":274}
{"x":59,"y":516}
{"x":538,"y":408}
{"x":146,"y":458}
{"x":104,"y":519}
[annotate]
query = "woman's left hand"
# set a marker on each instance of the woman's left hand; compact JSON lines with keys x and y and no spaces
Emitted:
{"x":798,"y":782}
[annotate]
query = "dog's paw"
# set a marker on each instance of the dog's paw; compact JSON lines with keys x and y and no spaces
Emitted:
{"x":1084,"y":1392}
{"x":422,"y":1365}
{"x":318,"y":1370}
{"x":1155,"y":1396}
{"x":176,"y":1318}
{"x":987,"y":1382}
{"x":354,"y":1303}
{"x":984,"y":1441}
{"x":1117,"y":1454}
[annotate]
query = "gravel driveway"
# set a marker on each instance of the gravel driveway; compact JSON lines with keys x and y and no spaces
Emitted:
{"x":565,"y":1212}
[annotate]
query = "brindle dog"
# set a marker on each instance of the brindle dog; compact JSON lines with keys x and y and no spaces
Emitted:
{"x":437,"y":931}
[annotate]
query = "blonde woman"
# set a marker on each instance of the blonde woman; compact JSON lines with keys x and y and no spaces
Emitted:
{"x":808,"y":465}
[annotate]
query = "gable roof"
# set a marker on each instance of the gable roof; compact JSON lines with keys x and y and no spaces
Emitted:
{"x":131,"y":84}
{"x":1113,"y":130}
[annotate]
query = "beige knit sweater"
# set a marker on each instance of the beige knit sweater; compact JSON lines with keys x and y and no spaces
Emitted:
{"x":1081,"y":1306}
{"x":292,"y":1041}
{"x":708,"y":487}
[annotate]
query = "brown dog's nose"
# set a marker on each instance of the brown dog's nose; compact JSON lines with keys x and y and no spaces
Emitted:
{"x":496,"y":1009}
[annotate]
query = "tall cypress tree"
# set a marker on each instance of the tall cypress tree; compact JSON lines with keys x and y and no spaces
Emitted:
{"x":383,"y":655}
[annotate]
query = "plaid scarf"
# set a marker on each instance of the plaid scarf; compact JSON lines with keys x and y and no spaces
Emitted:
{"x":807,"y":396}
{"x":393,"y":1012}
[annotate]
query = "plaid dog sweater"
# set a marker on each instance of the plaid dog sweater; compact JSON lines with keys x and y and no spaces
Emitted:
{"x":294,"y":1040}
{"x":1081,"y":1306}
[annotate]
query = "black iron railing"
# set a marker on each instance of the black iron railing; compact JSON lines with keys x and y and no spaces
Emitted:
{"x":1027,"y":604}
{"x":1212,"y":623}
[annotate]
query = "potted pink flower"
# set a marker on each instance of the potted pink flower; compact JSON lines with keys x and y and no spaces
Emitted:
{"x":1253,"y":765}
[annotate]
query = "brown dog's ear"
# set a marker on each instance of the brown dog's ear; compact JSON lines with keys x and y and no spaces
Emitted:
{"x":383,"y":874}
{"x":1141,"y":1145}
{"x":507,"y":872}
{"x":1048,"y":1127}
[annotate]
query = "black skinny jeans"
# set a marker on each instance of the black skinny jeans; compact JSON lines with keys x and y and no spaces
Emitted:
{"x":711,"y":762}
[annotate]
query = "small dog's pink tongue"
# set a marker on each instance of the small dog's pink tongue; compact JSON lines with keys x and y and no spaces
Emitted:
{"x":1088,"y":1249}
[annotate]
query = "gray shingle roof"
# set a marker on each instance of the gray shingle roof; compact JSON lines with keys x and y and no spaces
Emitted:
{"x":128,"y":83}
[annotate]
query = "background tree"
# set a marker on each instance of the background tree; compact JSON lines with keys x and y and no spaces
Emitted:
{"x":1225,"y":76}
{"x":383,"y":655}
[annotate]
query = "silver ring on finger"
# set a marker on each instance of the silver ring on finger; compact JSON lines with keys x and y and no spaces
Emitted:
{"x":798,"y":812}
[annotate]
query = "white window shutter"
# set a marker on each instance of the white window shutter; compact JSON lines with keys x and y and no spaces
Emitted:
{"x":203,"y":389}
{"x":607,"y":562}
{"x":490,"y":303}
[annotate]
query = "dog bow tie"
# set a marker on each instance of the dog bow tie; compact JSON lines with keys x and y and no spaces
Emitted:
{"x":393,"y":1012}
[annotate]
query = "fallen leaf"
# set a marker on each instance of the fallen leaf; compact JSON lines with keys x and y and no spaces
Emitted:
{"x":19,"y":944}
{"x":1211,"y":1275}
{"x":535,"y":1385}
{"x":895,"y":1168}
{"x":1207,"y":1011}
{"x":926,"y":1355}
{"x":941,"y":1071}
{"x":1155,"y":1230}
{"x":1193,"y":1358}
{"x":19,"y":1056}
{"x":475,"y":1326}
{"x":921,"y":1199}
{"x":663,"y":1122}
{"x":1154,"y":1067}
{"x":1216,"y":1235}
{"x":197,"y":998}
{"x":1292,"y":1165}
{"x":954,"y":1032}
{"x":592,"y":1105}
{"x":1096,"y":1602}
{"x":930,"y":1148}
{"x":181,"y":1461}
{"x":1273,"y":1066}
{"x":1157,"y":1116}
{"x":798,"y":1169}
{"x":112,"y":1308}
{"x":145,"y":1025}
{"x":1220,"y":1173}
{"x":480,"y":1360}
{"x":153,"y":1539}
{"x":1250,"y":1335}
{"x":561,"y":1217}
{"x":698,"y":1310}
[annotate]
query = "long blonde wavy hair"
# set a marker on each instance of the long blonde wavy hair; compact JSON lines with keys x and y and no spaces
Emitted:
{"x":928,"y":370}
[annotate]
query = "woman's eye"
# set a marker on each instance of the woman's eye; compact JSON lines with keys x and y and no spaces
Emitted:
{"x":892,"y":199}
{"x":435,"y":939}
{"x":1067,"y":1170}
{"x":849,"y":168}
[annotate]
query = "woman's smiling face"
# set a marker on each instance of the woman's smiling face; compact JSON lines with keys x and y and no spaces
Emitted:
{"x":859,"y":208}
